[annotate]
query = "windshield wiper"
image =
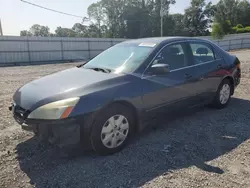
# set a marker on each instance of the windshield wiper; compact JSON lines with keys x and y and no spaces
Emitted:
{"x":78,"y":66}
{"x":105,"y":70}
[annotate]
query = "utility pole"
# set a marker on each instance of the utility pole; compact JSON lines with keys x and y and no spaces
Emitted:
{"x":161,"y":26}
{"x":161,"y":14}
{"x":99,"y":27}
{"x":1,"y":30}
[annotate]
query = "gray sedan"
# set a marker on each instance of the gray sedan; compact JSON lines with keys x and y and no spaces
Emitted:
{"x":102,"y":103}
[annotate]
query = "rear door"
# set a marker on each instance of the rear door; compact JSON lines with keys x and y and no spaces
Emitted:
{"x":207,"y":65}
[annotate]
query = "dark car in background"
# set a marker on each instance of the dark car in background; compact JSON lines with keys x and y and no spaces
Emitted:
{"x":105,"y":101}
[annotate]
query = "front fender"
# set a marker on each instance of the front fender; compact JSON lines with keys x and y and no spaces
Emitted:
{"x":90,"y":105}
{"x":129,"y":91}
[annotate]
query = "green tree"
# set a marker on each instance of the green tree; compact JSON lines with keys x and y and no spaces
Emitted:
{"x":97,"y":16}
{"x":129,"y":18}
{"x":65,"y":32}
{"x":217,"y":31}
{"x":36,"y":30}
{"x":136,"y":20}
{"x":247,"y":29}
{"x":197,"y":17}
{"x":40,"y":30}
{"x":227,"y":11}
{"x":113,"y":10}
{"x":168,"y":26}
{"x":159,"y":5}
{"x":179,"y":28}
{"x":25,"y":33}
{"x":93,"y":31}
{"x":221,"y":29}
{"x":80,"y":30}
{"x":142,"y":18}
{"x":239,"y":26}
{"x":244,"y":13}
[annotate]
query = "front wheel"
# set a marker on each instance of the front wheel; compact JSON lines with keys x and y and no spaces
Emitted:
{"x":112,"y":129}
{"x":223,"y":94}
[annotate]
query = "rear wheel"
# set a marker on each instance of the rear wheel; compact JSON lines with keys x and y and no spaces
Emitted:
{"x":223,"y":94}
{"x":112,"y":129}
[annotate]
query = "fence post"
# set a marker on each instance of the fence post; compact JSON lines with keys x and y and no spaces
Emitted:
{"x":28,"y":47}
{"x":89,"y":49}
{"x":62,"y":49}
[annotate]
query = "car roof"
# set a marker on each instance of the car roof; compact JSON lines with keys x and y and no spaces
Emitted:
{"x":159,"y":40}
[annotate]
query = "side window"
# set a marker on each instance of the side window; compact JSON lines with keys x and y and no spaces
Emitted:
{"x":173,"y":55}
{"x":202,"y":53}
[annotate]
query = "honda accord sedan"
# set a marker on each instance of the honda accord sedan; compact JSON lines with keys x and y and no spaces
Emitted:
{"x":103,"y":102}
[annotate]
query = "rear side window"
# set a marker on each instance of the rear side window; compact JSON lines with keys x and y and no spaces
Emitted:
{"x":202,"y":53}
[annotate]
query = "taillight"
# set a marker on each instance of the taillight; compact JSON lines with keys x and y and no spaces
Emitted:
{"x":237,"y":63}
{"x":238,"y":66}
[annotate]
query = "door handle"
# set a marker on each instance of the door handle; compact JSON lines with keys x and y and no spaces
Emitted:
{"x":188,"y":76}
{"x":201,"y":78}
{"x":219,"y":66}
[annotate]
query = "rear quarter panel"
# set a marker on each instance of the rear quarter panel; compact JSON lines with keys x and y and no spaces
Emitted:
{"x":229,"y":70}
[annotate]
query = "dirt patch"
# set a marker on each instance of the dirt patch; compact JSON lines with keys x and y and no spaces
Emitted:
{"x":206,"y":148}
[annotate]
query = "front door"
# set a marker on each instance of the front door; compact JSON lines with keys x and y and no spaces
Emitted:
{"x":173,"y":88}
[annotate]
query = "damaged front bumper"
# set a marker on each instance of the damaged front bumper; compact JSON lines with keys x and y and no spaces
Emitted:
{"x":63,"y":133}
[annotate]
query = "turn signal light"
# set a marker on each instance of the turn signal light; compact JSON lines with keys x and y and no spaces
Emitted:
{"x":66,"y":112}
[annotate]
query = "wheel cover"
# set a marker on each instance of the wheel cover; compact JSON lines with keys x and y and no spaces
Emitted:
{"x":225,"y":93}
{"x":114,"y":131}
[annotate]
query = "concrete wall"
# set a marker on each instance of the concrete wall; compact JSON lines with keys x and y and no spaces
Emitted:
{"x":18,"y":50}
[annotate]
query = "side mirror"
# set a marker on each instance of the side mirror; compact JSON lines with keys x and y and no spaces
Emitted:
{"x":160,"y":69}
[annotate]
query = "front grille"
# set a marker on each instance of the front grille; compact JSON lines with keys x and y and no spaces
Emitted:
{"x":20,"y":112}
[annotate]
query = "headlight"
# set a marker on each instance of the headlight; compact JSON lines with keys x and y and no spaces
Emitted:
{"x":55,"y":110}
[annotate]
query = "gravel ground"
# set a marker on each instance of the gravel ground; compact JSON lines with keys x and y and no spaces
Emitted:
{"x":205,"y":148}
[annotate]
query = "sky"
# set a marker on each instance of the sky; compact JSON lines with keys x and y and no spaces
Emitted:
{"x":16,"y":15}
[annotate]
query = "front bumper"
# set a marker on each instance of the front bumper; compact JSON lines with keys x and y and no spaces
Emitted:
{"x":59,"y":132}
{"x":62,"y":133}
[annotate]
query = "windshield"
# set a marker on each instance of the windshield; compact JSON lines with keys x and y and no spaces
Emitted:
{"x":124,"y":57}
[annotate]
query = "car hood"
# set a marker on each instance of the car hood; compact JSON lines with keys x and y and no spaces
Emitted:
{"x":58,"y":84}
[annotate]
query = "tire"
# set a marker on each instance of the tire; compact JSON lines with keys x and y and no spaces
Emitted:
{"x":107,"y":135}
{"x":223,"y":94}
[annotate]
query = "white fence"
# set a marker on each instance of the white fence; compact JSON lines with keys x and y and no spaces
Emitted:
{"x":18,"y":50}
{"x":233,"y":42}
{"x":33,"y":50}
